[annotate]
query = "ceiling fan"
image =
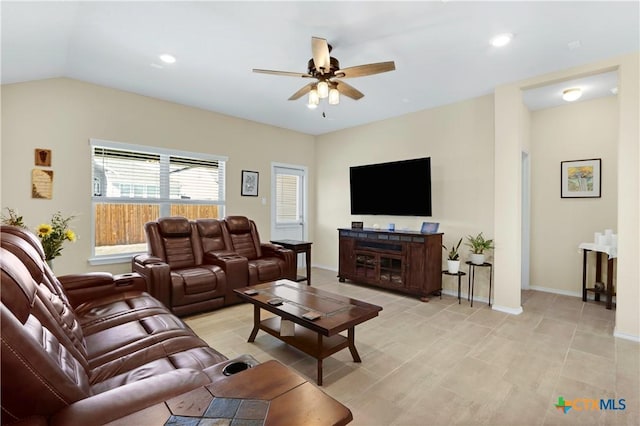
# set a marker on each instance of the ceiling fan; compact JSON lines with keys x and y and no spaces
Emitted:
{"x":325,"y":69}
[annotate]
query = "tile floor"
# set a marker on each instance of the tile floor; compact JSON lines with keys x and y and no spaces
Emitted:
{"x":441,"y":363}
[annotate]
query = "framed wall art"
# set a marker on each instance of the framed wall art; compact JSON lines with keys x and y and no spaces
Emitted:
{"x":249,"y":183}
{"x":580,"y":178}
{"x":42,"y":157}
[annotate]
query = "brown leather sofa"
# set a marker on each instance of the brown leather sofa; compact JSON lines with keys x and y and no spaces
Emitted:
{"x":95,"y":348}
{"x":86,"y":336}
{"x":193,"y":266}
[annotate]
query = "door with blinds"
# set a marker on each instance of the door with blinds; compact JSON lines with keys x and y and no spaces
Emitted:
{"x":288,"y":216}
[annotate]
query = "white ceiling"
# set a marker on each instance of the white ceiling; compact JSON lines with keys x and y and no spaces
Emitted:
{"x":440,"y":48}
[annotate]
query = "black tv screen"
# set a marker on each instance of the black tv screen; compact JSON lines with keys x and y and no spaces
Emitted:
{"x":399,"y":188}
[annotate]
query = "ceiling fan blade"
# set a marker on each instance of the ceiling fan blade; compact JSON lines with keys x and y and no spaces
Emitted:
{"x":321,"y":58}
{"x":284,"y":73}
{"x":300,"y":93}
{"x":348,"y":90}
{"x":369,"y":69}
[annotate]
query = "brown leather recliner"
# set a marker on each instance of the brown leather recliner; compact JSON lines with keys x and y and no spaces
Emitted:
{"x":175,"y":270}
{"x":266,"y":262}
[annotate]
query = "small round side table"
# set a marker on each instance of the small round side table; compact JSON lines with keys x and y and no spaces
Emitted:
{"x":472,"y":277}
{"x":458,"y":274}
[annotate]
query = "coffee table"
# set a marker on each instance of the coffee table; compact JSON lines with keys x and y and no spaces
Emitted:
{"x":319,"y":338}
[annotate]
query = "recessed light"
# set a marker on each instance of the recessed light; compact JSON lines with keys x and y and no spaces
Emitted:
{"x":576,"y":44}
{"x":168,"y":59}
{"x":501,"y":40}
{"x":572,"y":94}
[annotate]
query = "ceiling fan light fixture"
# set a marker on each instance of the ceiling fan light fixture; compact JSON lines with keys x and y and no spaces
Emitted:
{"x":334,"y":96}
{"x":323,"y":89}
{"x":572,"y":94}
{"x":314,"y":99}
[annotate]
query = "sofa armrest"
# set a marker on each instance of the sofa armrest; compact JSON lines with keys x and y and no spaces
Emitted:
{"x":81,"y":288}
{"x":130,"y":398}
{"x":235,"y":267}
{"x":289,"y":257}
{"x":157,"y":275}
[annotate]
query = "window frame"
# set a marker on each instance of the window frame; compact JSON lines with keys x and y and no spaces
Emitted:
{"x":164,"y":202}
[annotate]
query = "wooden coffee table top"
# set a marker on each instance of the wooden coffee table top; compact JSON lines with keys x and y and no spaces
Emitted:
{"x":338,"y":313}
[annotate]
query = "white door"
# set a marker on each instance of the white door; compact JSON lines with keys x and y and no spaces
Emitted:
{"x":288,"y":211}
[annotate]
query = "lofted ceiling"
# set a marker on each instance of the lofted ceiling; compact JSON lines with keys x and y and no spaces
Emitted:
{"x":441,"y":51}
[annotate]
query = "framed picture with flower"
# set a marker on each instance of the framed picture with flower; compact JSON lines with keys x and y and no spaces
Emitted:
{"x":580,"y":178}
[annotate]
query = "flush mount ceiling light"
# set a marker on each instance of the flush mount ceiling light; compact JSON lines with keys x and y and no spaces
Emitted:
{"x":501,"y":40}
{"x":167,"y":59}
{"x":572,"y":94}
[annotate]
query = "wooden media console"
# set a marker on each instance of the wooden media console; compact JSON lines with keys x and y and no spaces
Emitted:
{"x":406,"y":261}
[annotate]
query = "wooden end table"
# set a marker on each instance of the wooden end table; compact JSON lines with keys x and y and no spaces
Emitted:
{"x":298,"y":247}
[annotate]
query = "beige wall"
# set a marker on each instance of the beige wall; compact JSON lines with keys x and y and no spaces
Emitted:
{"x":62,"y":114}
{"x":577,"y":131}
{"x":459,"y":140}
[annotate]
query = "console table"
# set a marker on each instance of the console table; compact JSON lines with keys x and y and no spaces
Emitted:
{"x":612,"y":255}
{"x":405,"y":261}
{"x":298,"y":247}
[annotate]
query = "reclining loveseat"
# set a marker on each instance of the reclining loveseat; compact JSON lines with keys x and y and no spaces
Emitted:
{"x":194,"y":266}
{"x":96,"y":348}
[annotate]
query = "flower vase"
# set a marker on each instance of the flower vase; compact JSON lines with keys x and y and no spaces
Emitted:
{"x":50,"y":263}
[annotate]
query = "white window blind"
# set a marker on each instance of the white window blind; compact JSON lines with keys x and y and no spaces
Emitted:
{"x":135,"y":184}
{"x":287,"y":191}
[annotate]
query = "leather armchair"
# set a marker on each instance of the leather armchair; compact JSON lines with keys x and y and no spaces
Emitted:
{"x":174,"y":268}
{"x":265,"y":261}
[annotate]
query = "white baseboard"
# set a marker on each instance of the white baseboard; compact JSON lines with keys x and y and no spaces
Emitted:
{"x":326,"y":268}
{"x":508,"y":310}
{"x":626,"y":336}
{"x":556,"y":291}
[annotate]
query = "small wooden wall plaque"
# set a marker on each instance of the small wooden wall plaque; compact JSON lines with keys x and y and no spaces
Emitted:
{"x":43,"y":157}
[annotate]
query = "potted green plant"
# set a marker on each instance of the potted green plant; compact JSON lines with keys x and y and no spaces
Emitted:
{"x":453,"y":258}
{"x":478,"y":245}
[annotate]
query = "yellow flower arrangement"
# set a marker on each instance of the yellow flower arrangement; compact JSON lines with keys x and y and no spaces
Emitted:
{"x":53,"y":235}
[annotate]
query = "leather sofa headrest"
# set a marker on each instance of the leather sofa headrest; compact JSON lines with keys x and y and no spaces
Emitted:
{"x":26,"y":235}
{"x":27,"y":254}
{"x":209,"y":228}
{"x":174,"y":226}
{"x":238,"y":224}
{"x":18,"y":288}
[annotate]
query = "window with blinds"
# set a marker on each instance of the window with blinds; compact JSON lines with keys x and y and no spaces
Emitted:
{"x":135,"y":184}
{"x":287,"y":190}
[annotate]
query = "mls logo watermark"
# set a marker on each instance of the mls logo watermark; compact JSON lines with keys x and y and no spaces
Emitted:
{"x":590,"y":404}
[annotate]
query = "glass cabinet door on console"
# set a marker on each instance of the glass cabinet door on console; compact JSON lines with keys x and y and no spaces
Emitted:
{"x":366,"y":265}
{"x":391,"y":271}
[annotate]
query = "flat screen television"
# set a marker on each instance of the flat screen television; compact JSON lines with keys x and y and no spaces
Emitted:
{"x":398,"y":188}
